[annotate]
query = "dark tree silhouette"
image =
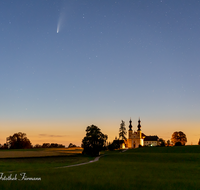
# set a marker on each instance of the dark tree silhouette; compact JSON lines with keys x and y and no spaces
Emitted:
{"x":61,"y":146}
{"x":179,"y":137}
{"x":37,"y":146}
{"x":71,"y":145}
{"x":94,"y":141}
{"x":18,"y":141}
{"x":4,"y":146}
{"x":52,"y":145}
{"x":168,"y":142}
{"x":56,"y":145}
{"x":178,"y":143}
{"x":122,"y":131}
{"x":199,"y":142}
{"x":46,"y":145}
{"x":115,"y":144}
{"x":161,"y":142}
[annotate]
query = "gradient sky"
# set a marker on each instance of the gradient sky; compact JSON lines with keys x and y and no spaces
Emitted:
{"x":109,"y":61}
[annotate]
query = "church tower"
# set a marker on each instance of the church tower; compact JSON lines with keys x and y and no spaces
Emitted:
{"x":139,"y":132}
{"x":135,"y":138}
{"x":130,"y":131}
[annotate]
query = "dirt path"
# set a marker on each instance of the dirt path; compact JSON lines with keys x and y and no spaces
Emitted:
{"x":95,"y":160}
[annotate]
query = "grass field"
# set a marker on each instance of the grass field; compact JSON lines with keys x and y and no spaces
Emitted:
{"x":145,"y":168}
{"x":40,"y":152}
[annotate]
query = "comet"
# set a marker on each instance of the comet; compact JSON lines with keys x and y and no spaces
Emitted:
{"x":58,"y":27}
{"x":59,"y":24}
{"x":61,"y":20}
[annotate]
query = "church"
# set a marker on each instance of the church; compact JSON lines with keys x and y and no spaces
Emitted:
{"x":137,"y":138}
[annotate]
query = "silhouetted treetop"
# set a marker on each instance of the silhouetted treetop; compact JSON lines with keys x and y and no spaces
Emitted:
{"x":94,"y":141}
{"x":179,"y":136}
{"x":122,"y":131}
{"x":18,"y":141}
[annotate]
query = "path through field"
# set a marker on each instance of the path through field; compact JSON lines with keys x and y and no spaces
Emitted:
{"x":95,"y":160}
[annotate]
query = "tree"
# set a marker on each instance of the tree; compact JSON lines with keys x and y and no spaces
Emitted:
{"x":4,"y":146}
{"x":122,"y":131}
{"x":71,"y":145}
{"x":178,"y":143}
{"x":199,"y":142}
{"x":115,"y":144}
{"x":168,"y":142}
{"x":18,"y":141}
{"x":178,"y":137}
{"x":46,"y":145}
{"x":161,"y":142}
{"x":38,"y":146}
{"x":61,"y":146}
{"x":94,"y":141}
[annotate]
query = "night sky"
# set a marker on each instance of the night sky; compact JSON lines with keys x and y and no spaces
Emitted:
{"x":65,"y":65}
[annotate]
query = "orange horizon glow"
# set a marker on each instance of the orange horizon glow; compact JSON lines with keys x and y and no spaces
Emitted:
{"x":62,"y":132}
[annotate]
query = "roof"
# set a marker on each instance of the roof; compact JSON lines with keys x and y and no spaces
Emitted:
{"x":151,"y":138}
{"x":143,"y":135}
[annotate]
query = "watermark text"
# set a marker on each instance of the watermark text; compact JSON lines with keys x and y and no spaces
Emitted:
{"x":18,"y":177}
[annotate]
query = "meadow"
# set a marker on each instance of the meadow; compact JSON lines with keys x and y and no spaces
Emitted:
{"x":38,"y":152}
{"x":143,"y":168}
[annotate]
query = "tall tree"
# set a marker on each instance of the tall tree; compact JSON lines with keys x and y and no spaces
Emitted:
{"x":122,"y":131}
{"x":94,"y":141}
{"x":199,"y":142}
{"x":179,"y":136}
{"x":18,"y":141}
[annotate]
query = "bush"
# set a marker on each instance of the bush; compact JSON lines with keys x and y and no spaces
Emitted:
{"x":178,"y":144}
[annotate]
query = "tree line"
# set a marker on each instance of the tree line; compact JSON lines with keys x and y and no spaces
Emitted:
{"x":20,"y":141}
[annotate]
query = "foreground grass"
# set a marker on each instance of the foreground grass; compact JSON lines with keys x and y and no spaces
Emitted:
{"x":146,"y":168}
{"x":43,"y":163}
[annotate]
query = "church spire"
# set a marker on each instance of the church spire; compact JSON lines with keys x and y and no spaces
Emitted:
{"x":130,"y":126}
{"x":139,"y":126}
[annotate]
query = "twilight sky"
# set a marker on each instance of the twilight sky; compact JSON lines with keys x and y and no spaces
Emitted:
{"x":65,"y":65}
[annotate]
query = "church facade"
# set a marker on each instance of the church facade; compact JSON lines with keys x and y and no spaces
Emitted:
{"x":137,"y":138}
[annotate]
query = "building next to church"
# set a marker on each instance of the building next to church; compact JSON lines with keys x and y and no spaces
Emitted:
{"x":137,"y":138}
{"x":151,"y":140}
